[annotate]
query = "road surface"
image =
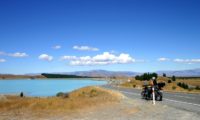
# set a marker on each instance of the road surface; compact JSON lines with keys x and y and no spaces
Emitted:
{"x":183,"y":101}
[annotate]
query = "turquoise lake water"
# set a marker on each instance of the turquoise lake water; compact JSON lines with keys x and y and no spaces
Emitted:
{"x":44,"y":87}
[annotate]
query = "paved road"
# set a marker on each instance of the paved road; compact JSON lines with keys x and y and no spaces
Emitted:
{"x":184,"y":101}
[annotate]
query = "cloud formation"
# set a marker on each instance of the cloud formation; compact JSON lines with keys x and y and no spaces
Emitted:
{"x":2,"y":53}
{"x":56,"y":47}
{"x":101,"y":59}
{"x":85,"y":48}
{"x":2,"y":60}
{"x":18,"y":54}
{"x":45,"y":57}
{"x":163,"y":59}
{"x":187,"y":61}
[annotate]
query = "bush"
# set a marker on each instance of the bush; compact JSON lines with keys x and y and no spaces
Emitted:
{"x":93,"y":93}
{"x":164,"y":75}
{"x":173,"y":87}
{"x":183,"y":85}
{"x":137,"y":77}
{"x":190,"y":89}
{"x":146,"y":76}
{"x":173,"y":78}
{"x":197,"y":88}
{"x":61,"y":94}
{"x":134,"y":86}
{"x":161,"y":84}
{"x":169,"y":81}
{"x":179,"y":84}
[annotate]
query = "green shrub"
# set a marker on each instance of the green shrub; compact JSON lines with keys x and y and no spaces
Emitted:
{"x":164,"y":75}
{"x":60,"y":94}
{"x":173,"y":78}
{"x":146,"y":76}
{"x":197,"y":88}
{"x":190,"y":89}
{"x":173,"y":87}
{"x":179,"y":84}
{"x":183,"y":85}
{"x":169,"y":81}
{"x":93,"y":93}
{"x":161,"y":84}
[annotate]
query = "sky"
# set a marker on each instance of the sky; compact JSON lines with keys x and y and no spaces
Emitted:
{"x":119,"y":35}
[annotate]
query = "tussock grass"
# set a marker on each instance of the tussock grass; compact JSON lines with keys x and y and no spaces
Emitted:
{"x":193,"y":82}
{"x":78,"y":99}
{"x":132,"y":84}
{"x":169,"y":86}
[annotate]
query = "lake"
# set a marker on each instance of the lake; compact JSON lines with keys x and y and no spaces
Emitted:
{"x":44,"y":87}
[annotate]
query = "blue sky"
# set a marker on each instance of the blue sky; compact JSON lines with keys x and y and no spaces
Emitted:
{"x":118,"y":35}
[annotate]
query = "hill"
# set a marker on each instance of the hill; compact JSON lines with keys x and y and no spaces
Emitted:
{"x":182,"y":73}
{"x":104,"y":73}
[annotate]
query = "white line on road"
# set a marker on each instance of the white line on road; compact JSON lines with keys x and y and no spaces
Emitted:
{"x":182,"y":102}
{"x":165,"y":99}
{"x":129,"y":93}
{"x":185,"y":97}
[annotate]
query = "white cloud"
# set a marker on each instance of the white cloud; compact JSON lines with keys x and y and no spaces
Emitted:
{"x":2,"y":53}
{"x":163,"y":59}
{"x":187,"y":61}
{"x":57,"y":47}
{"x":2,"y":60}
{"x":85,"y":48}
{"x":45,"y":57}
{"x":102,"y":59}
{"x":68,"y":58}
{"x":18,"y":54}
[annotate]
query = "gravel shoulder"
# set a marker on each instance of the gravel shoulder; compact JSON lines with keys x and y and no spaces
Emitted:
{"x":130,"y":109}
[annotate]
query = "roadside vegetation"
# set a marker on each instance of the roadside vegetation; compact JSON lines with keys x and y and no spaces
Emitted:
{"x":173,"y":83}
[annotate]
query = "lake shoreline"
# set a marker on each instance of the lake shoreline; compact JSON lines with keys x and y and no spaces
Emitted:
{"x":45,"y":87}
{"x":96,"y":79}
{"x":52,"y":107}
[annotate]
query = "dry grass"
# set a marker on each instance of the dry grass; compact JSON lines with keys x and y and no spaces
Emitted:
{"x":194,"y":82}
{"x":79,"y":99}
{"x":169,"y":86}
{"x":133,"y":83}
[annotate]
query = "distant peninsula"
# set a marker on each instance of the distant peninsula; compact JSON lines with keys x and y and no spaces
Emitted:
{"x":41,"y":76}
{"x":48,"y":75}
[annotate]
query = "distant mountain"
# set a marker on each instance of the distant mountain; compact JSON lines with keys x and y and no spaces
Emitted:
{"x":185,"y":73}
{"x":104,"y":73}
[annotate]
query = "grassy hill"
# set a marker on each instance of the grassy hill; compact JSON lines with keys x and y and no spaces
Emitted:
{"x":169,"y":84}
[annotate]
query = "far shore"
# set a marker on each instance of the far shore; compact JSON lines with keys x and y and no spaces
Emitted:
{"x":96,"y":79}
{"x":40,"y":77}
